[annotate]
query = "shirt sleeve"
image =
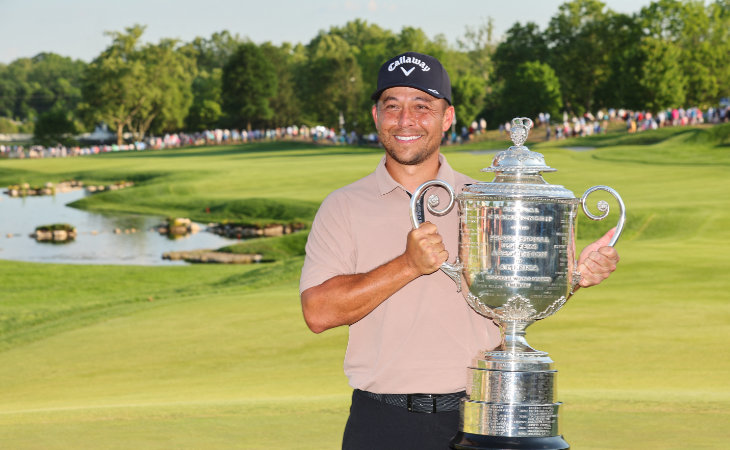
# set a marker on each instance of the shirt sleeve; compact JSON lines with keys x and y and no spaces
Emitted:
{"x":330,"y":250}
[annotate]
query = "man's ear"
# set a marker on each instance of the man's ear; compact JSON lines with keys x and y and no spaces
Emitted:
{"x":449,"y":116}
{"x":375,"y":115}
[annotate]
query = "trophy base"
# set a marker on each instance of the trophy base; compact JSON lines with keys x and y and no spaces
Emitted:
{"x":469,"y":441}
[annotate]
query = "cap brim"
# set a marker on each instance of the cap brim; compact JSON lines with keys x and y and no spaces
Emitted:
{"x":376,"y":95}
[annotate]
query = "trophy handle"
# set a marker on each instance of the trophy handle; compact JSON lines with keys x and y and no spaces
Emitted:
{"x":604,"y":208}
{"x":452,"y":270}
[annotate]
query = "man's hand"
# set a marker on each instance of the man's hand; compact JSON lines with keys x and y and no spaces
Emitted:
{"x":345,"y":299}
{"x":597,"y":261}
{"x":425,"y":251}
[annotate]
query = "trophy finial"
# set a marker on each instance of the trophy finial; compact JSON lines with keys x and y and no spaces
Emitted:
{"x":518,"y":158}
{"x":520,"y":129}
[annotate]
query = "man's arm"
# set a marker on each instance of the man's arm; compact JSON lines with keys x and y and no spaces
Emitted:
{"x":345,"y":299}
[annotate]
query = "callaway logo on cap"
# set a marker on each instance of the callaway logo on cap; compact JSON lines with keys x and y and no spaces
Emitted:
{"x":416,"y":70}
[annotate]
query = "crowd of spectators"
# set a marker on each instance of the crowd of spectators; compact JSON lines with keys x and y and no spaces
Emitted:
{"x":574,"y":126}
{"x":634,"y":121}
{"x":318,"y":133}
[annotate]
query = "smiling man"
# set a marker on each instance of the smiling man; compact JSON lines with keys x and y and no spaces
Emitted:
{"x":411,"y":334}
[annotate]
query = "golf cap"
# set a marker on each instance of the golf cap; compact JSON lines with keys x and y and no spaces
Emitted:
{"x":416,"y":70}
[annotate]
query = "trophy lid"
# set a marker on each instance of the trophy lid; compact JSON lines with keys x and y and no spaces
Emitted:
{"x":518,"y":158}
{"x":518,"y":171}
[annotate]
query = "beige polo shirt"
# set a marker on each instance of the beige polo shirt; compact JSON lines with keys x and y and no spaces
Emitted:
{"x":423,"y":337}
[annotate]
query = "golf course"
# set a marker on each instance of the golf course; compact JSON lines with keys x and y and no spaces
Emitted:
{"x":218,"y":356}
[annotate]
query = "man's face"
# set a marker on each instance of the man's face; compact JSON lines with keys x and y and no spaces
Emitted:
{"x":411,"y":123}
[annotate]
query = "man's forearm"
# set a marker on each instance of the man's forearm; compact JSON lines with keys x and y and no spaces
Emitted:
{"x":345,"y":299}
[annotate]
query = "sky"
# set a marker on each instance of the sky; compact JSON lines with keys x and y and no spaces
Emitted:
{"x":75,"y":28}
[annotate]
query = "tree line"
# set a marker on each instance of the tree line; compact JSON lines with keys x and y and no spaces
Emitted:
{"x":671,"y":53}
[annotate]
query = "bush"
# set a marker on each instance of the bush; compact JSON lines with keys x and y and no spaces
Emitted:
{"x":56,"y":226}
{"x":8,"y":126}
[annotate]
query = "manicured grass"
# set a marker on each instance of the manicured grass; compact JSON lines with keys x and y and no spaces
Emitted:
{"x":219,"y":357}
{"x":219,"y":369}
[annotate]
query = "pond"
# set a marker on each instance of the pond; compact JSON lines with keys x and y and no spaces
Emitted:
{"x":96,"y":242}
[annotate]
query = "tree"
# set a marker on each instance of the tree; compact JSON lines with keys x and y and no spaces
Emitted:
{"x":170,"y":73}
{"x":130,"y":86}
{"x":719,"y":40}
{"x":57,"y":82}
{"x":576,"y":37}
{"x":285,"y":103}
{"x":330,"y":81}
{"x":625,"y":61}
{"x":16,"y":90}
{"x":468,"y":92}
{"x":661,"y":79}
{"x":32,"y":86}
{"x":55,"y":126}
{"x":248,"y":82}
{"x":533,"y":89}
{"x":479,"y":46}
{"x":211,"y":55}
{"x":114,"y":84}
{"x":703,"y":37}
{"x":205,"y":111}
{"x":214,"y":52}
{"x":520,"y":45}
{"x":371,"y":46}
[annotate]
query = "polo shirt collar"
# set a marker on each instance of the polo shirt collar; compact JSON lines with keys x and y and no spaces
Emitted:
{"x":387,"y":184}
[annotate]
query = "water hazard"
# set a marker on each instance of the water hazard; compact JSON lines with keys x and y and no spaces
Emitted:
{"x":135,"y":241}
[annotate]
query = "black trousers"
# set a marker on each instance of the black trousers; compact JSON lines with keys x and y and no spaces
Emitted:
{"x":374,"y":425}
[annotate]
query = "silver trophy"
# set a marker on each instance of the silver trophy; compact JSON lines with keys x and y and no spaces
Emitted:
{"x":516,"y":264}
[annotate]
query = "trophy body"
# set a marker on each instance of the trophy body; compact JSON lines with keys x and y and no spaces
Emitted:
{"x":516,"y":264}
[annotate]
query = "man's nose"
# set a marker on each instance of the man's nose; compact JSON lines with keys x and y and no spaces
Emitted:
{"x":406,"y":117}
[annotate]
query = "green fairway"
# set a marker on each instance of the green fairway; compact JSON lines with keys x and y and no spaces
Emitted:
{"x":217,"y":356}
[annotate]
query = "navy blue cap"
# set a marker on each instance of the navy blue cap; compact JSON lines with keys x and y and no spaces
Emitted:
{"x":416,"y":70}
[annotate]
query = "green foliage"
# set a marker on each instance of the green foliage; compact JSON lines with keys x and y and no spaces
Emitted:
{"x":135,"y":87}
{"x":213,"y":53}
{"x":249,"y":81}
{"x":55,"y":227}
{"x":272,"y":249}
{"x":534,"y":88}
{"x":661,"y":76}
{"x":170,"y":72}
{"x":263,"y":211}
{"x":468,"y":98}
{"x":114,"y":82}
{"x":331,"y":81}
{"x":8,"y":126}
{"x":285,"y":104}
{"x":670,"y":54}
{"x":521,"y":44}
{"x":371,"y":45}
{"x":577,"y":35}
{"x":625,"y":62}
{"x":55,"y":127}
{"x":205,"y":111}
{"x":32,"y":86}
{"x":721,"y":133}
{"x":702,"y":35}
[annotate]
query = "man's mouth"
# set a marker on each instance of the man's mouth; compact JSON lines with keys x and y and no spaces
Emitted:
{"x":407,"y":138}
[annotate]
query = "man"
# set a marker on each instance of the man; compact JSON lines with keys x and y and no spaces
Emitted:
{"x":411,"y":334}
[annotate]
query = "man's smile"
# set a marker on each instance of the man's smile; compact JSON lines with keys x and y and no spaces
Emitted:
{"x":407,"y":138}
